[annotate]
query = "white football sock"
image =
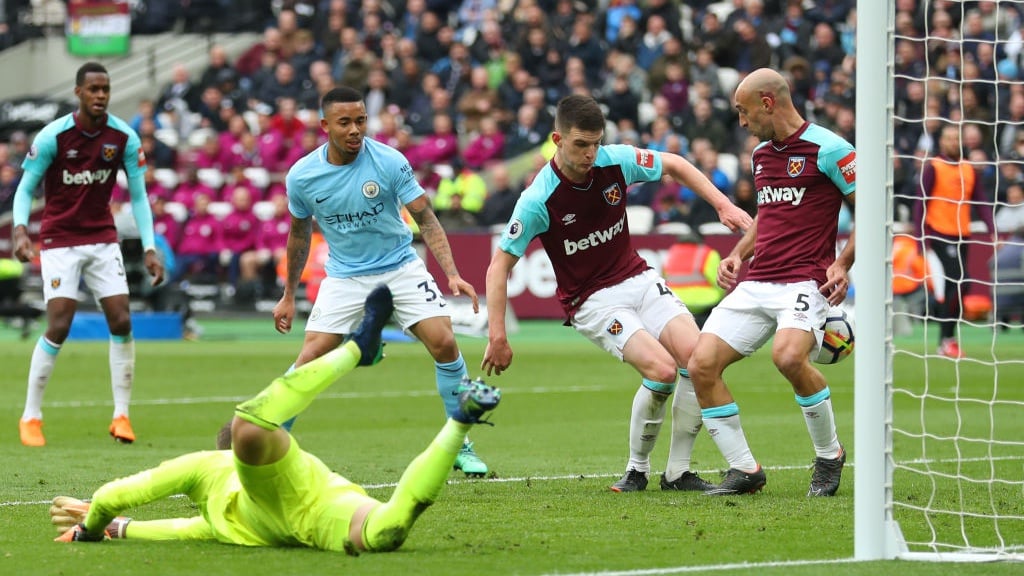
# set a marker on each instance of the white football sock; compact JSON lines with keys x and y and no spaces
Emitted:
{"x":122,"y":372}
{"x":686,"y":423}
{"x":821,"y":425}
{"x":728,"y":435}
{"x":44,"y":357}
{"x":644,"y":425}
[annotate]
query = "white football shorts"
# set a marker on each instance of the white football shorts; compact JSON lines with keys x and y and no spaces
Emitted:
{"x":611,"y":315}
{"x":100,"y":265}
{"x":751,"y":314}
{"x":339,"y":304}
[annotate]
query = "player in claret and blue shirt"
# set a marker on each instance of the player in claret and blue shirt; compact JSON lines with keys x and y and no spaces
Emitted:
{"x":76,"y":157}
{"x":576,"y":206}
{"x":802,"y":173}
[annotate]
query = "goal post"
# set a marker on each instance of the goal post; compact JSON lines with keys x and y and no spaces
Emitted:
{"x":874,"y":527}
{"x":938,"y":438}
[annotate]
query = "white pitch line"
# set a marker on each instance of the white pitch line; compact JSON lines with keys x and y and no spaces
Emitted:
{"x":324,"y":396}
{"x":710,"y":568}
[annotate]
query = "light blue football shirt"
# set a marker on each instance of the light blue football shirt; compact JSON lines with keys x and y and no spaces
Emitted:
{"x":358,"y":207}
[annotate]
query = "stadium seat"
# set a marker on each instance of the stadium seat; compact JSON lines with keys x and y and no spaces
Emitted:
{"x":711,"y":228}
{"x":257,"y":176}
{"x":640,"y":219}
{"x":166,"y":177}
{"x":168,"y":136}
{"x":219,"y":209}
{"x":263,"y":210}
{"x":728,"y":78}
{"x":211,"y":177}
{"x":177,"y":210}
{"x":673,"y":228}
{"x":729,"y":164}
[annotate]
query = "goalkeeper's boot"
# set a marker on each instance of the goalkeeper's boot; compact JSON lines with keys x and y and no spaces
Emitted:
{"x":950,"y":348}
{"x":827,"y":474}
{"x":31,"y":432}
{"x":687,"y":482}
{"x":632,"y":481}
{"x":377,"y":311}
{"x":737,"y":481}
{"x":121,"y":430}
{"x":77,"y":533}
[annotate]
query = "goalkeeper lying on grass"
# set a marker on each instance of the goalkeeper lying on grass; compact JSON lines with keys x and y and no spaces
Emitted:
{"x":266,"y":491}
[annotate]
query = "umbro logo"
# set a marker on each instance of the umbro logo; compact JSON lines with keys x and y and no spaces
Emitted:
{"x":568,"y":219}
{"x":72,"y":154}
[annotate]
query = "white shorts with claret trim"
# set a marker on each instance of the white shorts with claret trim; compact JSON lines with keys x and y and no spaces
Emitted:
{"x":339,"y":304}
{"x":611,"y":315}
{"x":101,"y":266}
{"x":754,"y":311}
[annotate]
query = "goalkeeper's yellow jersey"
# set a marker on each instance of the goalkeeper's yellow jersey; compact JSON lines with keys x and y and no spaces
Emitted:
{"x":296,"y":501}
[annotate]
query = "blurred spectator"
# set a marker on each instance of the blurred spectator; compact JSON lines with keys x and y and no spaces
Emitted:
{"x":478,"y":102}
{"x":433,"y":100}
{"x":190,"y":189}
{"x":309,"y":142}
{"x":745,"y":196}
{"x":164,"y":223}
{"x":1010,"y":217}
{"x":794,"y":32}
{"x":501,"y":199}
{"x":466,"y":184}
{"x":286,"y":122}
{"x":583,"y":44}
{"x":218,"y":69}
{"x":705,"y":70}
{"x":9,"y":178}
{"x":238,"y":232}
{"x":668,"y":11}
{"x":703,"y":124}
{"x":652,"y":43}
{"x":744,"y":47}
{"x":259,"y":265}
{"x":200,"y":244}
{"x":455,"y":218}
{"x":617,"y":11}
{"x":487,"y":147}
{"x":622,"y":102}
{"x":676,"y":89}
{"x":438,"y":147}
{"x":283,"y":84}
{"x":252,"y":59}
{"x":18,"y":149}
{"x":180,"y":92}
{"x":524,"y":135}
{"x":670,"y":208}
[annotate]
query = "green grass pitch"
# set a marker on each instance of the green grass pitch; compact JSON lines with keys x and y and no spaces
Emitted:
{"x":559,"y":441}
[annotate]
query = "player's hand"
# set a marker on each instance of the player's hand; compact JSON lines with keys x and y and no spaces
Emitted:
{"x":497,"y":357}
{"x":729,"y":271}
{"x":735,"y":218}
{"x":155,"y":267}
{"x":836,"y":285}
{"x":457,"y":285}
{"x":284,"y":311}
{"x":23,"y":249}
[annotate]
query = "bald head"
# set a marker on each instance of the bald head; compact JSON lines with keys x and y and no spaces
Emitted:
{"x":765,"y":105}
{"x":765,"y":82}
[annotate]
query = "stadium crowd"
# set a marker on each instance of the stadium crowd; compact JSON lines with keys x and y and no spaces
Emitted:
{"x":466,"y":89}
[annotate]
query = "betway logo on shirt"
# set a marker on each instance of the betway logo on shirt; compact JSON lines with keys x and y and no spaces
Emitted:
{"x":595,"y":238}
{"x":769,"y":195}
{"x":86,"y":177}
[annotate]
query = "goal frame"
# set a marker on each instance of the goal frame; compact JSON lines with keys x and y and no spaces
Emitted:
{"x":877,"y":534}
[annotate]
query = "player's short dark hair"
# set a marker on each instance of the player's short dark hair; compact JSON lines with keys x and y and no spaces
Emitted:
{"x":581,"y":112}
{"x":88,"y":68}
{"x":340,"y":94}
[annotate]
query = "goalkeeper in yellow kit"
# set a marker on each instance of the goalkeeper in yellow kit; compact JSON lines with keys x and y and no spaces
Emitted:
{"x":266,"y":491}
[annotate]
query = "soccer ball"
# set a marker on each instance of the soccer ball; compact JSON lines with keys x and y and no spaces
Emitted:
{"x":837,"y":343}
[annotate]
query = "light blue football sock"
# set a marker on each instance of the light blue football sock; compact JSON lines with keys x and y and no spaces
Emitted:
{"x":449,"y":376}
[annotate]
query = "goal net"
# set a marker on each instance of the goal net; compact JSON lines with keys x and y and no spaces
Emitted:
{"x":942,"y":443}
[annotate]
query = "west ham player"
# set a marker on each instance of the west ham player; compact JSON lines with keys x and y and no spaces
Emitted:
{"x":576,"y":206}
{"x":77,"y":158}
{"x":802,"y":173}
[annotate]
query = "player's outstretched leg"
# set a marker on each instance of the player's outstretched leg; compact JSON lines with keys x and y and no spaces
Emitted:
{"x":387,"y":526}
{"x":290,"y":394}
{"x":377,"y":311}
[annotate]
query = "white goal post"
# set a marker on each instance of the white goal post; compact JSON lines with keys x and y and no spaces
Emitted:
{"x":965,"y":505}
